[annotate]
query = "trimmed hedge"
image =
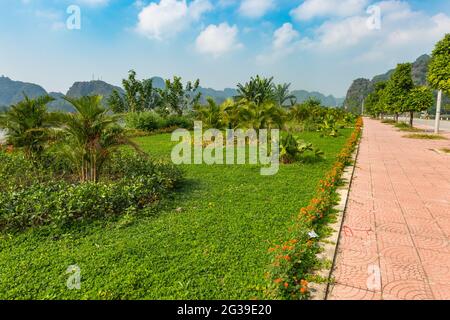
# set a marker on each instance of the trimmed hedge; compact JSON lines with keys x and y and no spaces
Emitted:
{"x":295,"y":258}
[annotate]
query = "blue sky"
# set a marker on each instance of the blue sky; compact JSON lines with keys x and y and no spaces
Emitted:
{"x":317,"y":45}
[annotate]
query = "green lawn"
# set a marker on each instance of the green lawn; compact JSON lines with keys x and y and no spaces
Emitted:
{"x":214,"y":248}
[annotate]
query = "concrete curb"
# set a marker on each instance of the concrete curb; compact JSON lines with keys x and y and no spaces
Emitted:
{"x":319,"y":291}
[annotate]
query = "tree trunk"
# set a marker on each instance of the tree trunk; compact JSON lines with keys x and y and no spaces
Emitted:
{"x":411,"y":118}
{"x":396,"y":117}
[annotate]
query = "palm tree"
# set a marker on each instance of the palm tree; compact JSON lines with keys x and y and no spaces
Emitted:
{"x":210,"y":115}
{"x":231,"y":114}
{"x":282,"y":95}
{"x":258,"y":90}
{"x":28,"y":125}
{"x":92,"y":136}
{"x":264,"y":116}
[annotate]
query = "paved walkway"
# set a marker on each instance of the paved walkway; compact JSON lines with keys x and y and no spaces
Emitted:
{"x":395,"y":242}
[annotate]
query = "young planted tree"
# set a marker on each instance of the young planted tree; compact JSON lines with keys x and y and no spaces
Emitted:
{"x":282,"y":95}
{"x":397,"y":89}
{"x":178,"y":98}
{"x":419,"y":99}
{"x":29,"y":125}
{"x":375,"y":105}
{"x":439,"y":73}
{"x":139,"y":96}
{"x":92,"y":136}
{"x":258,"y":91}
{"x":210,"y":115}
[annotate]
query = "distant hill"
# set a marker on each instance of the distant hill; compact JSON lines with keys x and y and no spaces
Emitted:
{"x":11,"y":92}
{"x":329,"y":101}
{"x":361,"y":88}
{"x":90,"y":88}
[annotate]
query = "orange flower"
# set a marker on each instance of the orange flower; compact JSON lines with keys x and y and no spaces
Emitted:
{"x":303,"y":290}
{"x":286,"y":284}
{"x":278,"y":280}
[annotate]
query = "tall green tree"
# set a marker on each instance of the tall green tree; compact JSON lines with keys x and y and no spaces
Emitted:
{"x":375,"y":102}
{"x":178,"y":98}
{"x":398,"y":88}
{"x":419,"y":99}
{"x":439,"y":72}
{"x":92,"y":136}
{"x":29,"y":125}
{"x":258,"y":90}
{"x":210,"y":115}
{"x":282,"y":95}
{"x":139,"y":96}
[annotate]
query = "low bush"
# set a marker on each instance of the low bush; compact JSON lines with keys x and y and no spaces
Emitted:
{"x":35,"y":196}
{"x":294,"y":259}
{"x":150,"y":121}
{"x":388,"y":121}
{"x":145,"y":121}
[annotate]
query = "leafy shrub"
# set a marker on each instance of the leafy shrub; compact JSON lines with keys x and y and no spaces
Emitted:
{"x":150,"y":121}
{"x":146,"y":121}
{"x":291,"y":149}
{"x":179,"y":122}
{"x":33,"y":198}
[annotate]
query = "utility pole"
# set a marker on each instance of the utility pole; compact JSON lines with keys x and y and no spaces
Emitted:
{"x":438,"y":112}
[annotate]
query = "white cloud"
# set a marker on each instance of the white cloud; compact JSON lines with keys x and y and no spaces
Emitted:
{"x":169,"y":17}
{"x":255,"y":8}
{"x":284,"y":36}
{"x":285,"y":40}
{"x":217,"y":40}
{"x":310,"y":9}
{"x":401,"y":28}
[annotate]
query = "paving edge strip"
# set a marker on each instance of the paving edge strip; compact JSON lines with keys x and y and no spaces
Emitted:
{"x":319,"y":291}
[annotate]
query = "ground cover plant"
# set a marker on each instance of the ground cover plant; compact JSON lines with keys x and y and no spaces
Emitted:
{"x":424,"y":136}
{"x":99,"y":194}
{"x":209,"y":241}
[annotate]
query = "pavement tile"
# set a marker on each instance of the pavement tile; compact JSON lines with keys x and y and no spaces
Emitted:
{"x":395,"y":242}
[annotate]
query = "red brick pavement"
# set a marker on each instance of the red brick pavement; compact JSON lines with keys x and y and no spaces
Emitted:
{"x":395,"y":242}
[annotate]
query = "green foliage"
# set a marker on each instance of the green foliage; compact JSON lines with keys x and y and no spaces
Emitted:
{"x":375,"y":103}
{"x":425,"y":136}
{"x":211,"y":115}
{"x":35,"y":197}
{"x":439,"y":68}
{"x":258,"y":90}
{"x":292,"y":149}
{"x":329,"y":126}
{"x":92,"y":135}
{"x":177,"y":98}
{"x":29,"y":125}
{"x":214,"y":247}
{"x":139,"y":96}
{"x":146,"y":121}
{"x":283,"y":95}
{"x":398,"y":88}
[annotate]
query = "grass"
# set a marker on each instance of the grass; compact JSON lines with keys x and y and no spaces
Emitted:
{"x":405,"y":127}
{"x":424,"y":136}
{"x":209,"y":241}
{"x":388,"y":121}
{"x":445,"y":150}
